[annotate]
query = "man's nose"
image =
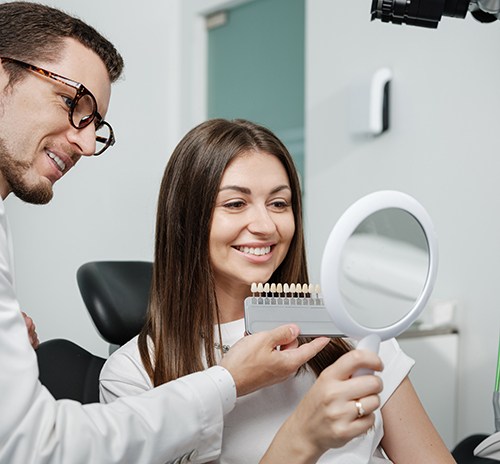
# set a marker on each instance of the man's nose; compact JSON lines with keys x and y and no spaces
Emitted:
{"x":84,"y":138}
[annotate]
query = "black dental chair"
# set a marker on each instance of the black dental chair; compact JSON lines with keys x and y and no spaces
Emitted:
{"x":116,"y":294}
{"x":463,"y":452}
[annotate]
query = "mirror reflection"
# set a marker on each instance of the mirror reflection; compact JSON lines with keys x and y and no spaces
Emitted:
{"x":384,"y":267}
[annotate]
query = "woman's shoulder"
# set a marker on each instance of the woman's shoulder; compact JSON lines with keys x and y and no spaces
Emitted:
{"x":123,"y":374}
{"x":123,"y":361}
{"x":390,"y":351}
{"x":397,"y":365}
{"x":130,"y":349}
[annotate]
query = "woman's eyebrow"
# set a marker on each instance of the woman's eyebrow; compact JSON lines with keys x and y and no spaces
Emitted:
{"x":280,"y":188}
{"x":237,"y":188}
{"x":247,"y":191}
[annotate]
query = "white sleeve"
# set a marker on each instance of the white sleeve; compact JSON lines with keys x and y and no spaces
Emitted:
{"x":124,"y":374}
{"x":397,"y":365}
{"x":181,"y":419}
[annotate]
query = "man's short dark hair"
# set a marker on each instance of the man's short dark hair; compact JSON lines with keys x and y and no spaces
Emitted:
{"x":32,"y":32}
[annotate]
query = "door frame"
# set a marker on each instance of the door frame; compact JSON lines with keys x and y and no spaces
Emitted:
{"x":193,"y":59}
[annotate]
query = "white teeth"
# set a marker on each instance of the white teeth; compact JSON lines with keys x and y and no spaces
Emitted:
{"x":255,"y":251}
{"x":58,"y":161}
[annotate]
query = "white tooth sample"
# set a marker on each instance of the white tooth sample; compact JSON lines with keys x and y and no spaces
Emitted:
{"x":279,"y":288}
{"x":253,"y":287}
{"x":292,"y":288}
{"x":266,"y":288}
{"x":260,"y":287}
{"x":286,"y":288}
{"x":298,"y":288}
{"x":273,"y":288}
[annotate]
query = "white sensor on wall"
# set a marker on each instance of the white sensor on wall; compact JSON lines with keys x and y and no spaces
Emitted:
{"x":370,"y":104}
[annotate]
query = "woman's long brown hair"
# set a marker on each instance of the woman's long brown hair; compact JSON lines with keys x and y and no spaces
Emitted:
{"x":183,"y":306}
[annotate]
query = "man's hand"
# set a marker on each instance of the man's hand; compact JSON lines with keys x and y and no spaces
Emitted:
{"x":30,"y":325}
{"x":255,"y":362}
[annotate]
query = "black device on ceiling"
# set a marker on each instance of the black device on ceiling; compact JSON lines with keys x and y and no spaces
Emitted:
{"x":428,"y":13}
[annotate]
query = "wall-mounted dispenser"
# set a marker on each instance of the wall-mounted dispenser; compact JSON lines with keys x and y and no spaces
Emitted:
{"x":370,"y":104}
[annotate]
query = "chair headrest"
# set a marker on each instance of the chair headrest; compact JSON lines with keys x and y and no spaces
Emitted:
{"x":116,"y":294}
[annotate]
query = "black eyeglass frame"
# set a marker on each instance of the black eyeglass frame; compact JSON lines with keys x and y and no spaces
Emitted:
{"x":81,"y":91}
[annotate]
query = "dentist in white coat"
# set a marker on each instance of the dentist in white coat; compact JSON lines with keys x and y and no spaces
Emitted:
{"x":55,"y":80}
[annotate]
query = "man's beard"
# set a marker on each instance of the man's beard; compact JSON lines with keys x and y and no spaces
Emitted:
{"x":14,"y":172}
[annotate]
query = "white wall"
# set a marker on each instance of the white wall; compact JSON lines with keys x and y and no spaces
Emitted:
{"x":442,"y":149}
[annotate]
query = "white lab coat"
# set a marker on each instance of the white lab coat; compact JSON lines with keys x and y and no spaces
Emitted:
{"x":180,"y":421}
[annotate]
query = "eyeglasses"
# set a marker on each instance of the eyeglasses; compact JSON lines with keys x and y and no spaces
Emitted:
{"x":82,"y":110}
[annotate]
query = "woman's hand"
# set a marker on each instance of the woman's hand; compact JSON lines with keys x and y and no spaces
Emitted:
{"x":336,"y":409}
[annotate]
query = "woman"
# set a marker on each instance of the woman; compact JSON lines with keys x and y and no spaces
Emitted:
{"x":229,"y":214}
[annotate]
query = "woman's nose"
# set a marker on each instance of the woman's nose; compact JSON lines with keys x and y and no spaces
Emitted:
{"x":261,"y":222}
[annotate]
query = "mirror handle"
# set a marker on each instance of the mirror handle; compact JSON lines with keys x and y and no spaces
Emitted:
{"x":370,"y":343}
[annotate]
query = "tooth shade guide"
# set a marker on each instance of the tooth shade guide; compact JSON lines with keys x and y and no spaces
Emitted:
{"x":269,"y":311}
{"x":286,"y":294}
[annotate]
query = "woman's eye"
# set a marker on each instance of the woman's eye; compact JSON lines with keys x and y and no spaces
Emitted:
{"x":280,"y":204}
{"x":236,"y":204}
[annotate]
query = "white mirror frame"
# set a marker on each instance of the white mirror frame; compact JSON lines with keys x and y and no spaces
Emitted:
{"x":332,"y":254}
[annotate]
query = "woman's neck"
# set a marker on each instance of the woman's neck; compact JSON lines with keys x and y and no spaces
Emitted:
{"x":231,"y":302}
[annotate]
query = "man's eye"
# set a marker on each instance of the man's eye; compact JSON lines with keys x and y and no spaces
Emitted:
{"x":67,"y":101}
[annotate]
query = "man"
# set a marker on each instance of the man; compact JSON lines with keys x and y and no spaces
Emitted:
{"x":55,"y":84}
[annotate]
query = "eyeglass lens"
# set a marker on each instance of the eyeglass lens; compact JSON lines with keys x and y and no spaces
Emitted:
{"x":83,"y":111}
{"x":102,"y":136}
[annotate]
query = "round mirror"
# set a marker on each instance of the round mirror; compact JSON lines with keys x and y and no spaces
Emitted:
{"x":379,"y":265}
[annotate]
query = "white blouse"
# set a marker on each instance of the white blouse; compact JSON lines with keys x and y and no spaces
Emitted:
{"x":250,"y":427}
